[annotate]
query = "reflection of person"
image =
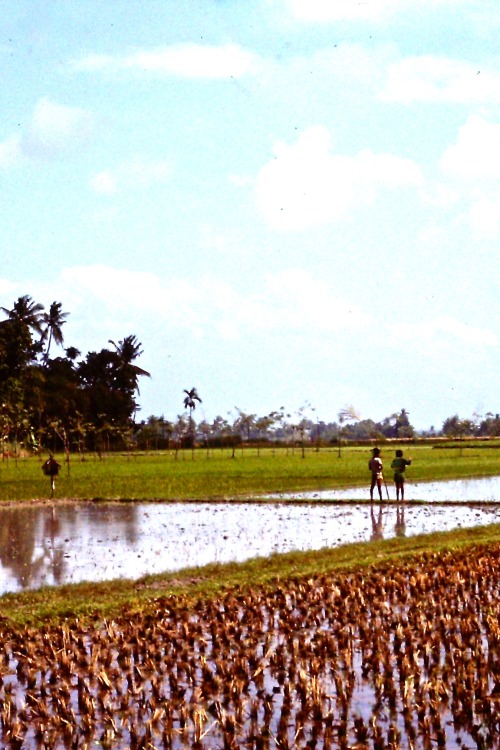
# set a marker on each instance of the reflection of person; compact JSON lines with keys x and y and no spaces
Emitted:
{"x":376,"y":467}
{"x":399,"y":465}
{"x":51,"y":469}
{"x":400,"y":526}
{"x":377,"y":525}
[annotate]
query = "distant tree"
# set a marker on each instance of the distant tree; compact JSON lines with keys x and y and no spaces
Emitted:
{"x":403,"y":427}
{"x":152,"y":431}
{"x":490,"y":425}
{"x":457,"y":428}
{"x":205,"y":429}
{"x":219,"y":428}
{"x":397,"y":426}
{"x":181,"y":429}
{"x":190,"y":403}
{"x":263,"y":425}
{"x":244,"y":424}
{"x":346,"y":414}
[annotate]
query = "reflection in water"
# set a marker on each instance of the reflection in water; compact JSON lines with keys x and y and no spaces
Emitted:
{"x":378,"y":520}
{"x":400,"y":526}
{"x":95,"y":542}
{"x":53,"y":550}
{"x":377,"y":523}
{"x":18,"y":530}
{"x":38,"y":545}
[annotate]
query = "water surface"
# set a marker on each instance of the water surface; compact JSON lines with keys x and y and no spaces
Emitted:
{"x":457,"y":490}
{"x":76,"y":542}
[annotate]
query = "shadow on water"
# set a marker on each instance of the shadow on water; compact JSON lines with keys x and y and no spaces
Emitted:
{"x":52,"y":545}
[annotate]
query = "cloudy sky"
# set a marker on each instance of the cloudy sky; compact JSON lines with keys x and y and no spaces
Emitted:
{"x":288,"y":202}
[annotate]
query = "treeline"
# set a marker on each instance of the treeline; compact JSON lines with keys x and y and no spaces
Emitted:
{"x":278,"y":427}
{"x":78,"y":403}
{"x":66,"y":401}
{"x":282,"y":428}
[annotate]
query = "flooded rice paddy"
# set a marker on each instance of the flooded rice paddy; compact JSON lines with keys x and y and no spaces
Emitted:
{"x":402,"y":657}
{"x":398,"y":657}
{"x":456,"y":490}
{"x":69,"y":543}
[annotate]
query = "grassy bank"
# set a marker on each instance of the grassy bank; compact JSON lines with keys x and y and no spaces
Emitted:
{"x":218,"y":475}
{"x":111,"y":599}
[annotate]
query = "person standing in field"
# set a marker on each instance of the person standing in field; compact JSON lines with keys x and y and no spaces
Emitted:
{"x":399,"y":465}
{"x":51,"y":469}
{"x":376,"y":467}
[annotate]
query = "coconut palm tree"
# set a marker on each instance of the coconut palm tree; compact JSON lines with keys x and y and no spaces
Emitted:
{"x":18,"y":350}
{"x":128,"y":350}
{"x":53,"y":322}
{"x":26,"y":311}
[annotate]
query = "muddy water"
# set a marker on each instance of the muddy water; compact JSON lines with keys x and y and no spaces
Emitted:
{"x":75,"y":542}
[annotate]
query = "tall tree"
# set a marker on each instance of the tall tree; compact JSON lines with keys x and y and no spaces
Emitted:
{"x":53,"y":322}
{"x":27,"y":312}
{"x":128,"y":350}
{"x":190,"y":403}
{"x":109,"y":380}
{"x":18,"y":351}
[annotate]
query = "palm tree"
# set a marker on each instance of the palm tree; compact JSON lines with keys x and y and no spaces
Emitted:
{"x":26,"y":311}
{"x":53,"y":321}
{"x":190,"y":403}
{"x":128,"y":350}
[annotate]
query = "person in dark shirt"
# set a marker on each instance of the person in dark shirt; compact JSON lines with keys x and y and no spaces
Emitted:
{"x":399,"y":465}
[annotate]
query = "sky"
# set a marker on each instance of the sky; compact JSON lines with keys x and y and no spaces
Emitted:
{"x":288,"y":202}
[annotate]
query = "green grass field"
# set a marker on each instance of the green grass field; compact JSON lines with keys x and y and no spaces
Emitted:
{"x":163,"y":477}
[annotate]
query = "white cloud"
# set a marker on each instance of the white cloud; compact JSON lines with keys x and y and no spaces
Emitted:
{"x":182,"y":60}
{"x":307,"y":185}
{"x":338,"y":10}
{"x":55,"y":129}
{"x":8,"y":289}
{"x":443,"y":328}
{"x":484,"y":215}
{"x":292,"y":302}
{"x":476,"y":153}
{"x":10,"y":152}
{"x":133,"y":175}
{"x":121,"y":290}
{"x":297,"y":300}
{"x":429,"y":78}
{"x":104,"y":183}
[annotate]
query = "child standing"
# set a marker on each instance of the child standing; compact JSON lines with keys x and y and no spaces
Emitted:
{"x":399,"y":465}
{"x":375,"y":466}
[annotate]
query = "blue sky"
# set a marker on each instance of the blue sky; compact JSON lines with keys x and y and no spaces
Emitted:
{"x":288,"y":202}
